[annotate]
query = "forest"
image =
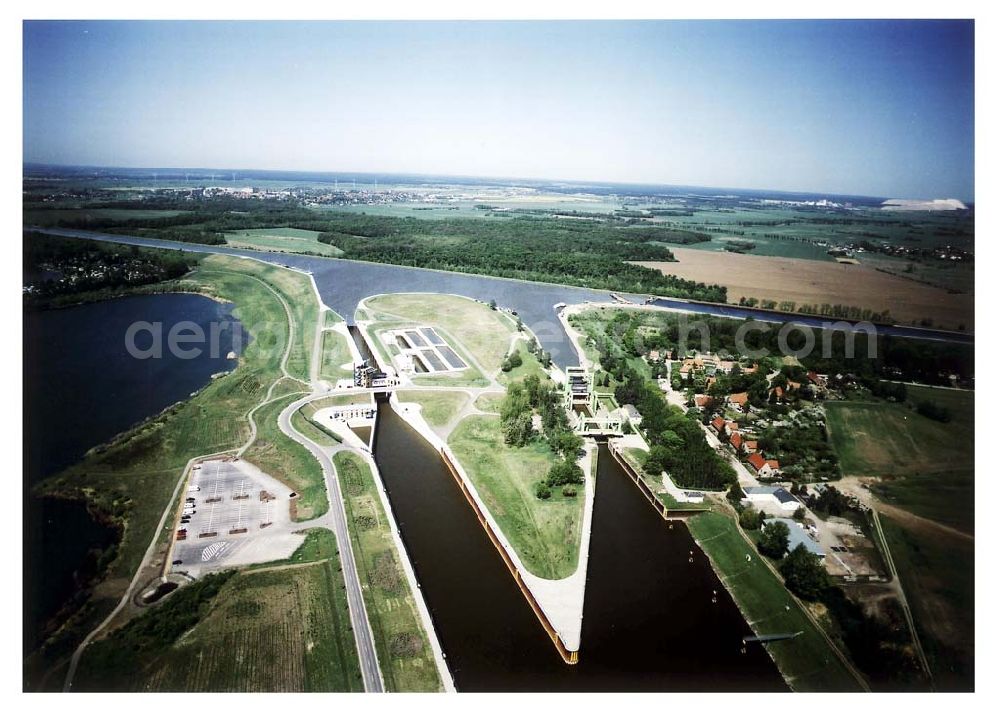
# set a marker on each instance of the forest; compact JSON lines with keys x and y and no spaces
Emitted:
{"x":559,"y":250}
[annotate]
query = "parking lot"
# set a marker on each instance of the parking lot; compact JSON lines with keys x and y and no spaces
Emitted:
{"x":234,"y":514}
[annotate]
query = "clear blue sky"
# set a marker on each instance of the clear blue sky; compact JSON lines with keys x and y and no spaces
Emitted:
{"x":876,"y":108}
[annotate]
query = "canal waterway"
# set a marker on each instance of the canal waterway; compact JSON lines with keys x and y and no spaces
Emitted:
{"x":649,"y":624}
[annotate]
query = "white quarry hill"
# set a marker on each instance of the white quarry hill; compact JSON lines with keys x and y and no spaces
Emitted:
{"x":923,"y":205}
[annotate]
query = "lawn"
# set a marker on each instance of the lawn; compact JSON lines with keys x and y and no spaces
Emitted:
{"x":484,"y":333}
{"x":281,"y":239}
{"x":134,"y":477}
{"x":438,"y":407}
{"x":544,"y":533}
{"x":404,"y":651}
{"x":529,"y":366}
{"x":337,"y":362}
{"x":277,"y":629}
{"x":489,"y":402}
{"x":284,"y":459}
{"x":312,"y":430}
{"x":893,"y":439}
{"x":807,"y":662}
{"x":937,"y":573}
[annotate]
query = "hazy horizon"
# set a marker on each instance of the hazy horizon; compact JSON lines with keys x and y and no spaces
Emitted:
{"x":862,"y":108}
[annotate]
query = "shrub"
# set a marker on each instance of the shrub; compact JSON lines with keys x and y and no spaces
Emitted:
{"x":569,"y":491}
{"x":542,"y":491}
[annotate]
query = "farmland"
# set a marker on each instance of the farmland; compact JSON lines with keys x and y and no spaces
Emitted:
{"x":281,"y":239}
{"x":881,"y":438}
{"x":807,"y":282}
{"x":937,"y":573}
{"x":279,"y":628}
{"x":403,"y":649}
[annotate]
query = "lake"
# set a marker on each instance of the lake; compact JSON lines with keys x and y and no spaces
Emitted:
{"x":81,"y":388}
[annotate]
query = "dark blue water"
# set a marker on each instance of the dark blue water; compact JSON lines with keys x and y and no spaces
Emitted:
{"x":81,"y":388}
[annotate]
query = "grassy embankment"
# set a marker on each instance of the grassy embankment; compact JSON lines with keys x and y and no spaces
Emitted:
{"x":544,"y":533}
{"x":299,"y":241}
{"x":489,"y":402}
{"x":283,"y":627}
{"x":928,"y":470}
{"x":806,"y":662}
{"x":337,"y":362}
{"x":404,"y":651}
{"x":133,"y":478}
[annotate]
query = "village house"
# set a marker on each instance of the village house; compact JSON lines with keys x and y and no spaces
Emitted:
{"x":736,"y":440}
{"x":702,"y":401}
{"x":764,"y":468}
{"x":718,"y":425}
{"x":737,"y":401}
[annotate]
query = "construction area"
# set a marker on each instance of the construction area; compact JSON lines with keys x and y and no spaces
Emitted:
{"x":232,"y":514}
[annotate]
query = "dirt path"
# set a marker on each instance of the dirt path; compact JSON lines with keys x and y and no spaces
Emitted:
{"x":856,"y":486}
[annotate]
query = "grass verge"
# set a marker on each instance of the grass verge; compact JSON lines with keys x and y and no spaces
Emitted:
{"x":404,"y":651}
{"x":806,"y":662}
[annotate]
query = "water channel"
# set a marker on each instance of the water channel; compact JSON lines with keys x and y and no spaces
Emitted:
{"x":650,"y":623}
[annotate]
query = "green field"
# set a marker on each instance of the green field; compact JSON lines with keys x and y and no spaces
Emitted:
{"x":529,"y":365}
{"x":489,"y":402}
{"x":892,"y":439}
{"x":544,"y":533}
{"x":133,"y":478}
{"x":284,"y":459}
{"x":946,"y":497}
{"x":484,"y":333}
{"x":281,"y":239}
{"x":937,"y":573}
{"x":281,"y":628}
{"x":404,"y":651}
{"x":52,"y":217}
{"x":806,"y":662}
{"x":336,"y":355}
{"x":438,"y":407}
{"x":312,"y":430}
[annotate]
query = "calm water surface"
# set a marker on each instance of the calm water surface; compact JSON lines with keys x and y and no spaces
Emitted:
{"x":82,"y":388}
{"x":649,"y":621}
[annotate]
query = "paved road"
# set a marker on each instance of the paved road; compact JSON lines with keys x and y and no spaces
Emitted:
{"x":337,"y":518}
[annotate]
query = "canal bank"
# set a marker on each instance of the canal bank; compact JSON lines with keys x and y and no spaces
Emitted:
{"x":557,"y":603}
{"x":649,"y":621}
